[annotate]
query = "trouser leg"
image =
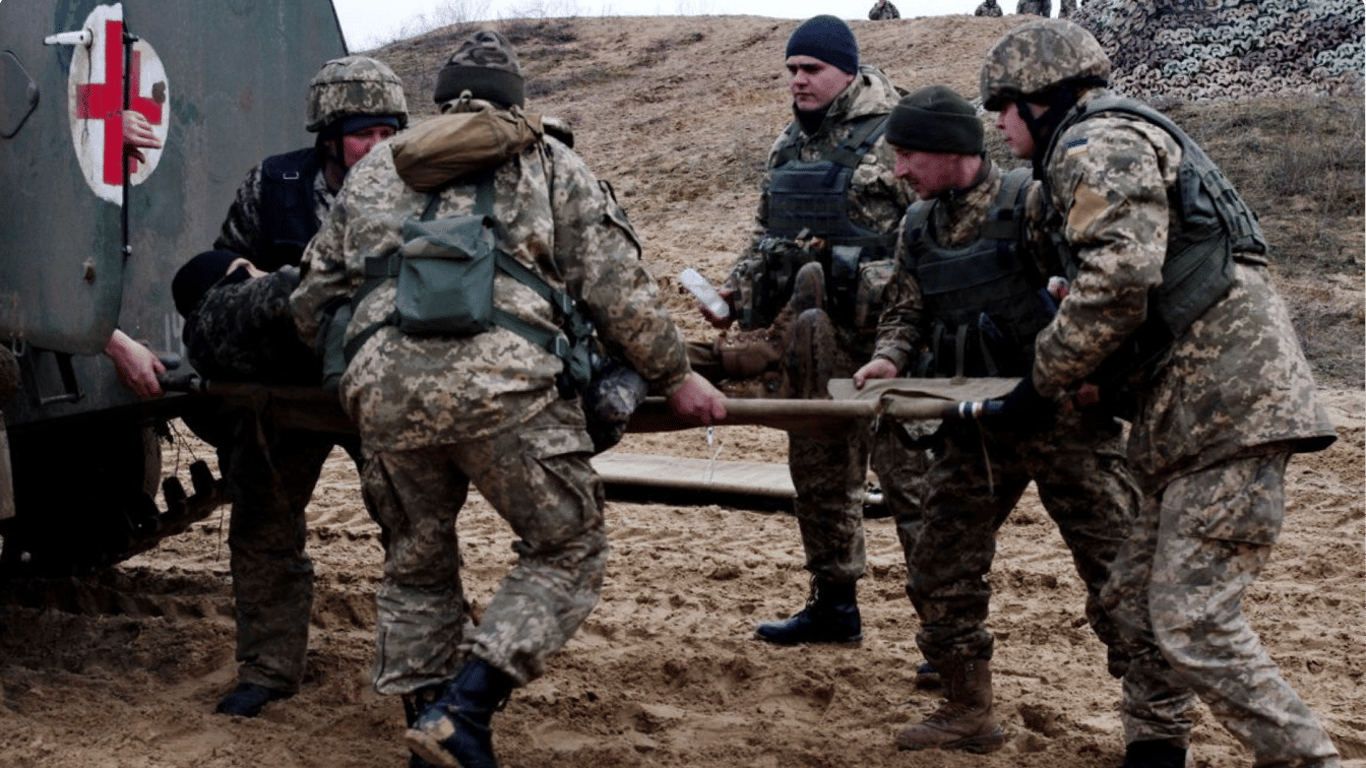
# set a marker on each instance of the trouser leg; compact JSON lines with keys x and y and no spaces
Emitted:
{"x":1216,"y":532}
{"x":831,"y":479}
{"x":270,"y":478}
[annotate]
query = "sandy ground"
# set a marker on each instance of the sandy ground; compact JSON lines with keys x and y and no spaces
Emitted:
{"x":123,"y":668}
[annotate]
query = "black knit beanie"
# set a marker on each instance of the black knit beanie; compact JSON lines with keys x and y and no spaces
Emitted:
{"x":935,"y":119}
{"x":199,"y":274}
{"x":485,"y":65}
{"x":827,"y":38}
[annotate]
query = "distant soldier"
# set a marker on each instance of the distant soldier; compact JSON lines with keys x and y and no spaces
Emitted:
{"x":1066,"y":8}
{"x":883,"y":9}
{"x":987,"y":8}
{"x":1035,"y":7}
{"x":1171,"y":302}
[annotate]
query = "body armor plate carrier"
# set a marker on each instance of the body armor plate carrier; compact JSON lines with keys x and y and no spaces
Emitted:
{"x":1213,"y":227}
{"x":808,"y":199}
{"x":986,"y":300}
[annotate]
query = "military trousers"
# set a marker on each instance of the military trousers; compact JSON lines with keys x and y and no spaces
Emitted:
{"x":1197,"y":545}
{"x":538,"y":478}
{"x":270,"y":476}
{"x":975,"y":481}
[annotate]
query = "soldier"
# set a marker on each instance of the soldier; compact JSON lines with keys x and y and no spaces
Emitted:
{"x":1171,"y":303}
{"x":829,"y":201}
{"x":1035,"y":7}
{"x":353,"y":103}
{"x":971,"y":291}
{"x":1066,"y":8}
{"x":987,"y":8}
{"x":439,"y":412}
{"x":883,"y":9}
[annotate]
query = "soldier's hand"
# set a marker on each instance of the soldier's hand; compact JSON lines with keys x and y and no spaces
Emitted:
{"x":877,"y":368}
{"x":698,"y":400}
{"x":137,"y":132}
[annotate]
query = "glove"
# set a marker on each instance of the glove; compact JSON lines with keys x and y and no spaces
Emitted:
{"x":1023,"y":409}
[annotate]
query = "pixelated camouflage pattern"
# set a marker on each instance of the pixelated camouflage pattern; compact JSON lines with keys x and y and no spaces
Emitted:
{"x":876,"y":198}
{"x":405,"y":391}
{"x":486,"y":48}
{"x":538,"y":478}
{"x":956,"y":219}
{"x":987,"y":8}
{"x":883,"y":10}
{"x":975,"y":481}
{"x":1179,"y":584}
{"x":354,"y":85}
{"x":1114,"y":177}
{"x":1038,"y":54}
{"x":1034,"y":7}
{"x":242,"y":231}
{"x":245,"y":332}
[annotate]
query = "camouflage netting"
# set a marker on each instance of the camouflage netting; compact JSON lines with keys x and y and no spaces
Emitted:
{"x":1207,"y":50}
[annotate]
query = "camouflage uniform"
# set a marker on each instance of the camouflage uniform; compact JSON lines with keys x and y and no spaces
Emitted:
{"x":883,"y":9}
{"x":1077,"y":465}
{"x":1035,"y":7}
{"x":987,"y":8}
{"x":437,"y":413}
{"x":1208,"y":444}
{"x":1066,"y":8}
{"x":830,"y":475}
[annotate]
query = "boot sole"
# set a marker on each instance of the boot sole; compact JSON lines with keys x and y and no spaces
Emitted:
{"x":429,"y":749}
{"x":977,"y":745}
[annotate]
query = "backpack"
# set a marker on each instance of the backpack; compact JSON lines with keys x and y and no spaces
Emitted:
{"x":445,"y":271}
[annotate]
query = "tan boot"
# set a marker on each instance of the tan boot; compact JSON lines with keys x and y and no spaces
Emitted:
{"x":756,"y":363}
{"x":966,"y":720}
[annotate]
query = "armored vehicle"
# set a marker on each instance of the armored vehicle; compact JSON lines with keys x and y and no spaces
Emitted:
{"x":90,"y":238}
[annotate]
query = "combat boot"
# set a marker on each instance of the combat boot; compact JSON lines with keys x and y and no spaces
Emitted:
{"x":1153,"y":754}
{"x":456,"y":730}
{"x":414,"y":705}
{"x":754,"y":362}
{"x":830,"y":616}
{"x":966,"y":720}
{"x":810,"y":356}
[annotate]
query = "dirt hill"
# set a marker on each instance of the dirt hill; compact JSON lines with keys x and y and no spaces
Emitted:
{"x":122,"y":668}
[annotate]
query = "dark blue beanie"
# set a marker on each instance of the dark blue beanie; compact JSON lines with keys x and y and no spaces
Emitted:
{"x":827,"y":38}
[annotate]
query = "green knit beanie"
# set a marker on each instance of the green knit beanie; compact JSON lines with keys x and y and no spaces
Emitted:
{"x":935,"y":119}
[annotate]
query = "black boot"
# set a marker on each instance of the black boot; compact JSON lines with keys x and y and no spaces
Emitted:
{"x":247,"y":700}
{"x":830,"y":616}
{"x":1153,"y":754}
{"x":455,"y":731}
{"x":414,"y":705}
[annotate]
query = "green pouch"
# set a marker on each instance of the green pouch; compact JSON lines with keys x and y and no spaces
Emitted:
{"x":445,"y":276}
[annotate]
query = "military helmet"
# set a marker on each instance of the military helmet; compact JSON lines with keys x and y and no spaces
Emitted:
{"x":1037,"y":56}
{"x":354,"y":85}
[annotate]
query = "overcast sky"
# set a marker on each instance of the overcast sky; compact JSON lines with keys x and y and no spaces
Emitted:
{"x":371,"y":23}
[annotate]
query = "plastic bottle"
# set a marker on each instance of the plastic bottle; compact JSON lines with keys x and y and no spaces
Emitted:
{"x":704,"y":293}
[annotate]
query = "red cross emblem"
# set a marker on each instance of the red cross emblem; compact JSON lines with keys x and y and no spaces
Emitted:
{"x":104,"y":101}
{"x":95,"y":92}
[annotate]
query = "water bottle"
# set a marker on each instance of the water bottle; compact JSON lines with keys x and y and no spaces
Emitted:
{"x":704,"y":293}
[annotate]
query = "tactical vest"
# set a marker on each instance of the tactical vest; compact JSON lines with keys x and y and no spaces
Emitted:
{"x":286,"y":207}
{"x":985,"y":300}
{"x":1211,"y":228}
{"x":809,"y":198}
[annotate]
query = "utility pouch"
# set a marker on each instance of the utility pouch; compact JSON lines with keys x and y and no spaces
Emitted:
{"x":445,"y":275}
{"x":331,"y":344}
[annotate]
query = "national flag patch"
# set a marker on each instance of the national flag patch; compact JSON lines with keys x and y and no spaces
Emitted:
{"x":1076,"y":147}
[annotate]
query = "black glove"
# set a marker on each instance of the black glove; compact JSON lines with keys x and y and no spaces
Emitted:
{"x":1023,"y":409}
